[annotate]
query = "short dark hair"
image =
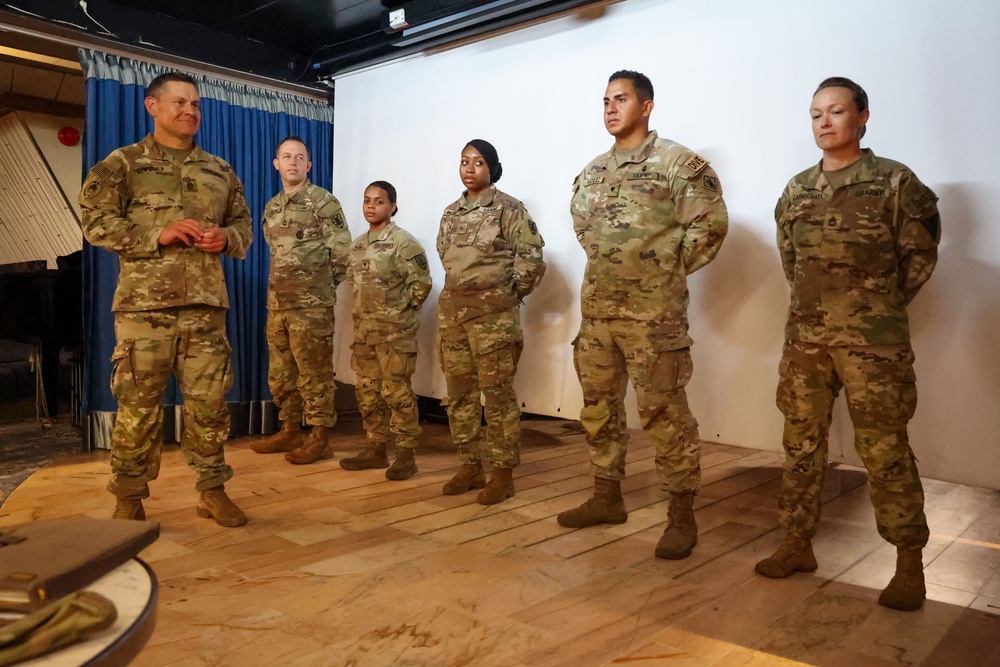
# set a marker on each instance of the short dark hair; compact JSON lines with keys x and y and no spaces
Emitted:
{"x":643,"y":86}
{"x":390,"y":192}
{"x":153,"y":89}
{"x":857,"y":92}
{"x":292,"y":137}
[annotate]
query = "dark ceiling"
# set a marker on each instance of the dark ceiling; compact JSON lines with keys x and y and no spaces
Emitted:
{"x":297,"y":41}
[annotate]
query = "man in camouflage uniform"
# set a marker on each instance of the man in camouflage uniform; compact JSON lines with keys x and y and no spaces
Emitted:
{"x":858,"y":237}
{"x":305,"y":228}
{"x":167,"y":209}
{"x":492,"y":256}
{"x":391,"y":281}
{"x":648,"y":213}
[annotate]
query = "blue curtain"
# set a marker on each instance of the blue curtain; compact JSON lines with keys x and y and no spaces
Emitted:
{"x":243,"y":129}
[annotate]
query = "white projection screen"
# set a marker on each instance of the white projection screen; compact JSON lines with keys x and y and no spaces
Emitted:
{"x":733,"y":82}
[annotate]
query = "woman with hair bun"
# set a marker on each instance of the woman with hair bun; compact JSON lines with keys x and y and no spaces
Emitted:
{"x":492,"y":256}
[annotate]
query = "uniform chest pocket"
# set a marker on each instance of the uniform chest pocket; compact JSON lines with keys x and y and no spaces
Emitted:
{"x":488,"y":233}
{"x":310,"y":231}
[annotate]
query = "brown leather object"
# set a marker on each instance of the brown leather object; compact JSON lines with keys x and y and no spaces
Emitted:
{"x":45,"y":560}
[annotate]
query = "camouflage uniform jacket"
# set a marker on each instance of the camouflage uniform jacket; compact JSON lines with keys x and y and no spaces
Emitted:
{"x":646,"y":224}
{"x":310,"y":244}
{"x":134,"y":194}
{"x":492,"y":255}
{"x":855,"y":256}
{"x":391,"y":281}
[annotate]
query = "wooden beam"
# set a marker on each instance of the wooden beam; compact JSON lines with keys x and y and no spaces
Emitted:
{"x":41,"y":105}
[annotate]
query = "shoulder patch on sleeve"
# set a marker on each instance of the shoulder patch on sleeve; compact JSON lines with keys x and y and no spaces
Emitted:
{"x":695,"y":164}
{"x":710,"y":182}
{"x":93,"y":189}
{"x":533,"y":227}
{"x":410,"y":248}
{"x":421,"y":260}
{"x":328,"y":207}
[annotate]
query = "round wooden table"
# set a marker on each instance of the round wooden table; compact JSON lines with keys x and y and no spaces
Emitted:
{"x":133,"y":589}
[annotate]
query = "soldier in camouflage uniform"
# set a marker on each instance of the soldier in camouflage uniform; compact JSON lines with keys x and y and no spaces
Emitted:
{"x":492,"y":256}
{"x":167,"y":209}
{"x":305,"y":228}
{"x":648,"y":213}
{"x":858,"y":237}
{"x":391,"y":280}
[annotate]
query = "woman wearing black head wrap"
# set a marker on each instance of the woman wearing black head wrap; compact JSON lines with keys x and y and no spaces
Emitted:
{"x":492,"y":256}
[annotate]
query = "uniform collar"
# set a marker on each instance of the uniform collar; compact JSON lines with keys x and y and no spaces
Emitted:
{"x":637,"y":154}
{"x":484,"y":199}
{"x":864,"y":170}
{"x":298,"y":195}
{"x":384,"y":234}
{"x":152,"y":148}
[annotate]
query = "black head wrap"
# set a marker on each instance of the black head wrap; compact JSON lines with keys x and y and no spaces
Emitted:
{"x":489,"y":154}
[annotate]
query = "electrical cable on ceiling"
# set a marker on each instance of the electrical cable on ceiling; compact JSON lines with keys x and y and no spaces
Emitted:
{"x":309,"y":60}
{"x":83,"y":6}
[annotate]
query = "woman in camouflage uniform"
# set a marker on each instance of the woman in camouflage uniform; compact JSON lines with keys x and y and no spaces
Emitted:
{"x":492,"y":256}
{"x":388,"y":270}
{"x":858,"y":237}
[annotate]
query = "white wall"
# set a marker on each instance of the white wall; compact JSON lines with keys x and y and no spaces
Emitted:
{"x":66,"y":162}
{"x":733,"y":81}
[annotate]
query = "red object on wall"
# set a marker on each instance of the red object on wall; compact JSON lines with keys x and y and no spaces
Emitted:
{"x":69,"y":136}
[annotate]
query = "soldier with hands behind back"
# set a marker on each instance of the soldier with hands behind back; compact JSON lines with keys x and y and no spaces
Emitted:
{"x":305,"y":228}
{"x":648,"y":213}
{"x":858,"y":237}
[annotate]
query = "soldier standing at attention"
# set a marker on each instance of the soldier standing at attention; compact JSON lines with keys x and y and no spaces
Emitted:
{"x":167,"y":209}
{"x":492,"y":256}
{"x":648,"y":213}
{"x":305,"y":228}
{"x":389,"y":274}
{"x":858,"y":237}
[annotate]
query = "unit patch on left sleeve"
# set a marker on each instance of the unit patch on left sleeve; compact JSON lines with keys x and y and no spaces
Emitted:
{"x":421,"y":260}
{"x":339,"y":220}
{"x":92,"y":190}
{"x":711,"y":183}
{"x":533,"y":227}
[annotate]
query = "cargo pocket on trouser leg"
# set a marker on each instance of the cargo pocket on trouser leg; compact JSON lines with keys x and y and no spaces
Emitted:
{"x":666,"y":416}
{"x":124,"y":387}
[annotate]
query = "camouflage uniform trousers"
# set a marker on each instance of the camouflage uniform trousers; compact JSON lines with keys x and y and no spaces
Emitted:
{"x":606,"y":353}
{"x":881,"y":397}
{"x":385,"y":396}
{"x":300,"y":370}
{"x":481,"y":355}
{"x":190,"y":342}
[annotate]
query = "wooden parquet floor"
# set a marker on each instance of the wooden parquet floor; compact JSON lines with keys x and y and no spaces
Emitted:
{"x":347,"y":568}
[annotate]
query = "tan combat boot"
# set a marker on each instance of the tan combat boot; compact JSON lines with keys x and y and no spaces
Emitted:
{"x":795,"y":555}
{"x":682,"y":534}
{"x":470,"y":476}
{"x":317,"y":447}
{"x":404,"y":467}
{"x":606,"y":506}
{"x":906,"y":591}
{"x":285,"y":440}
{"x":499,"y":488}
{"x":129,"y":509}
{"x":372,"y":456}
{"x":215,"y":504}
